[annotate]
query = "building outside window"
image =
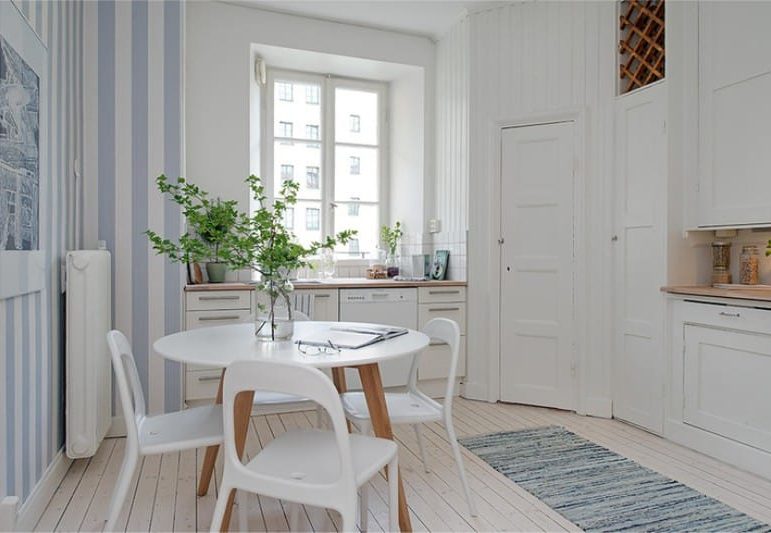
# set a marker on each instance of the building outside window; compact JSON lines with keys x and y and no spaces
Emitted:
{"x":312,"y":218}
{"x":355,"y":165}
{"x":312,"y":94}
{"x":312,"y":131}
{"x":289,"y":218}
{"x":285,"y":91}
{"x":341,"y":154}
{"x":286,"y":129}
{"x":353,"y":246}
{"x":312,"y":177}
{"x":355,"y":123}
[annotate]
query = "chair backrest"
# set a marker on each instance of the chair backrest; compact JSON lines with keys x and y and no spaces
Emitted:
{"x":299,"y":316}
{"x":447,"y":332}
{"x":302,"y":301}
{"x":298,"y":380}
{"x":132,"y":398}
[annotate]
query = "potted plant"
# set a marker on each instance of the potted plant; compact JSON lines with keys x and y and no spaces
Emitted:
{"x":390,"y":238}
{"x":209,"y":223}
{"x":263,"y":243}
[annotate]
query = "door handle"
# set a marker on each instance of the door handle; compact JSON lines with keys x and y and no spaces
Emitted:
{"x":732,"y":315}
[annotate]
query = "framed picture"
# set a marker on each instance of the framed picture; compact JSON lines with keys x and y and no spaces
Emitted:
{"x":439,"y":268}
{"x":23,"y":154}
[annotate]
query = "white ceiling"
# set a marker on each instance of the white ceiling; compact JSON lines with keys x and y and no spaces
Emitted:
{"x":429,"y":18}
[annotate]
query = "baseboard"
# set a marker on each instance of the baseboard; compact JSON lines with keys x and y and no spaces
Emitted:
{"x":117,"y":428}
{"x":32,"y":509}
{"x":8,"y":509}
{"x":473,"y":390}
{"x":601,"y":407}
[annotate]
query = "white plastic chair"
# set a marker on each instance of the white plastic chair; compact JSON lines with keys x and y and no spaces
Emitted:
{"x":150,"y":435}
{"x":414,"y":407}
{"x":310,"y":467}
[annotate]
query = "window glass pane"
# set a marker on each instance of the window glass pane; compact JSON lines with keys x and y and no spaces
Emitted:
{"x":307,"y":221}
{"x":292,"y":105}
{"x":356,"y":173}
{"x":295,"y":160}
{"x":356,"y":117}
{"x":289,"y":218}
{"x":364,"y":219}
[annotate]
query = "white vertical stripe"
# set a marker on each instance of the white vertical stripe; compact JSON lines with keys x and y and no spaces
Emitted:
{"x":90,"y":130}
{"x":155,"y":161}
{"x":123,"y":177}
{"x":31,"y":355}
{"x":18,"y":396}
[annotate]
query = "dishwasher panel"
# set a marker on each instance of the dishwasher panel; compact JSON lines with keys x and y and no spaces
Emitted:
{"x":392,"y":307}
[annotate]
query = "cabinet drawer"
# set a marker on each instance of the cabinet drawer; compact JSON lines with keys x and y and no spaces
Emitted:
{"x":202,"y":384}
{"x":453,"y":311}
{"x":430,"y":295}
{"x":208,"y":300}
{"x":435,"y":361}
{"x":202,"y":319}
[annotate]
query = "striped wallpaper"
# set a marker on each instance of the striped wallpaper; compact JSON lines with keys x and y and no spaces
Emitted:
{"x":31,"y":431}
{"x":133,"y":132}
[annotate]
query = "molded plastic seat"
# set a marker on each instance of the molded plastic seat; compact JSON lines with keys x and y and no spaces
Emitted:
{"x":191,"y":428}
{"x":403,"y":408}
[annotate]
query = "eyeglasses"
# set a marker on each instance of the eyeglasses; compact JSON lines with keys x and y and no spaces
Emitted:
{"x":313,"y":349}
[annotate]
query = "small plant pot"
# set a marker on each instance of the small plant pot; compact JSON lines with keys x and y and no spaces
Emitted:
{"x":216,"y":272}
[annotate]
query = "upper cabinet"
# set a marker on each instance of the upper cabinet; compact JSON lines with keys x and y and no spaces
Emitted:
{"x":734,"y":113}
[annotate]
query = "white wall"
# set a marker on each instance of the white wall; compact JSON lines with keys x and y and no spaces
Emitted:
{"x":525,"y":59}
{"x":219,"y":69}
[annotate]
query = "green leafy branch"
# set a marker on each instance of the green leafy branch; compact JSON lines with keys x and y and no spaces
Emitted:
{"x":391,"y":236}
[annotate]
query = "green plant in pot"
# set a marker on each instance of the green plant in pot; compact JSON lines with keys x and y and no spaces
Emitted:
{"x":390,"y":238}
{"x":209,"y":222}
{"x":263,"y":243}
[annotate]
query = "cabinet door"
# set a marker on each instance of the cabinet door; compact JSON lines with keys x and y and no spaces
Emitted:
{"x":734,"y":113}
{"x":640,"y":257}
{"x":727,"y":374}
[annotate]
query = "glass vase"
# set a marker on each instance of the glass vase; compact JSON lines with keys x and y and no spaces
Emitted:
{"x":274,"y":320}
{"x":392,"y":265}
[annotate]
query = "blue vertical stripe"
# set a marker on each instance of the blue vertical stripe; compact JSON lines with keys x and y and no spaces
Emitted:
{"x":139,"y":149}
{"x":50,"y":294}
{"x":10,"y":389}
{"x":172,"y":97}
{"x":40,"y":429}
{"x":25,"y":383}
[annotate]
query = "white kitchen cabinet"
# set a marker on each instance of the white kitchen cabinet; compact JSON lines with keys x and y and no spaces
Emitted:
{"x":734,"y":113}
{"x":325,"y":303}
{"x":445,"y":302}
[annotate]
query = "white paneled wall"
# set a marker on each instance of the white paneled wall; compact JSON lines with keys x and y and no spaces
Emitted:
{"x":452,"y":146}
{"x":528,"y":61}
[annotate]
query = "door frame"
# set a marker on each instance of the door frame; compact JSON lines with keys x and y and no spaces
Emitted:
{"x":577,"y":115}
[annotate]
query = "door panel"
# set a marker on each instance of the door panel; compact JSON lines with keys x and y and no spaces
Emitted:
{"x":536,"y":333}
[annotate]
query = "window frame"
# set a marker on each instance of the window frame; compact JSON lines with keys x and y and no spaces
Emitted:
{"x":327,"y":86}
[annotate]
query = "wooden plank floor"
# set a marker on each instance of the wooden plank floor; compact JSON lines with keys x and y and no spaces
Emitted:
{"x":163,"y":497}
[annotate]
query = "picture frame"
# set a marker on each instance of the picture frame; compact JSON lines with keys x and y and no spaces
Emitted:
{"x":439,"y":268}
{"x":24,"y":149}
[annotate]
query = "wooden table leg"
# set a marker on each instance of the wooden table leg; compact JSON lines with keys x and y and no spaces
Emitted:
{"x":211,"y":452}
{"x":381,"y":424}
{"x":338,"y":378}
{"x":242,"y":412}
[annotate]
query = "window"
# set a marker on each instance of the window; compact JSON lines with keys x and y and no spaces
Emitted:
{"x":353,"y":246}
{"x":286,"y":129}
{"x":312,"y":131}
{"x":289,"y":218}
{"x":355,"y":165}
{"x":355,"y":124}
{"x":340,"y":154}
{"x":353,"y":207}
{"x":312,"y":94}
{"x":312,"y":177}
{"x":285,"y":91}
{"x":312,"y":218}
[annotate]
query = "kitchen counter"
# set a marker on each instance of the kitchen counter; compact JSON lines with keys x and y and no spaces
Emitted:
{"x":763,"y":295}
{"x":334,"y":283}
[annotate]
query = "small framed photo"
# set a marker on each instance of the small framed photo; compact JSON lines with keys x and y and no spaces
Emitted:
{"x":439,"y":268}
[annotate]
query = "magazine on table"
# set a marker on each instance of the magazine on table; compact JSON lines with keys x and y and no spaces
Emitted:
{"x":352,"y":337}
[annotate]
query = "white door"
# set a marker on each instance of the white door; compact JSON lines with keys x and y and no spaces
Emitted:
{"x":537,"y":264}
{"x":640,"y":257}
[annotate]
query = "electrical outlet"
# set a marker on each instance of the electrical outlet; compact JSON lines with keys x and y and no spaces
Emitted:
{"x":434,"y":225}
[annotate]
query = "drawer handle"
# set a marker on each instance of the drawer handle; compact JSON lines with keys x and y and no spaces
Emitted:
{"x":440,"y":309}
{"x":209,"y":378}
{"x":321,"y":295}
{"x":216,"y":298}
{"x":444,"y":292}
{"x":224,"y":317}
{"x":732,"y":315}
{"x":379,"y":294}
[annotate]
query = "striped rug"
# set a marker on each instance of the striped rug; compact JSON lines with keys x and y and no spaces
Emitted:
{"x":599,"y":490}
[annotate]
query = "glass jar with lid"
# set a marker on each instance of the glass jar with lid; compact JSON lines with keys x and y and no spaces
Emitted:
{"x":749,"y":263}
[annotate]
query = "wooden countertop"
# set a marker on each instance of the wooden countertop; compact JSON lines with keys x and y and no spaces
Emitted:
{"x":334,"y":283}
{"x":713,"y":292}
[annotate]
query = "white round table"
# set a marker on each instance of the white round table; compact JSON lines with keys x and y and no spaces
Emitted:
{"x":222,"y":345}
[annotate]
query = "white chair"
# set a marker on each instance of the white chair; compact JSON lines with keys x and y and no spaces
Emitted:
{"x":414,"y":407}
{"x":311,"y":467}
{"x":150,"y":435}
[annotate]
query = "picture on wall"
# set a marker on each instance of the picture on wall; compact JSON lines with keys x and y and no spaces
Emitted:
{"x":19,"y":152}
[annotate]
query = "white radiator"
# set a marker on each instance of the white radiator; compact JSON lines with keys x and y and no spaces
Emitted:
{"x":88,"y":370}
